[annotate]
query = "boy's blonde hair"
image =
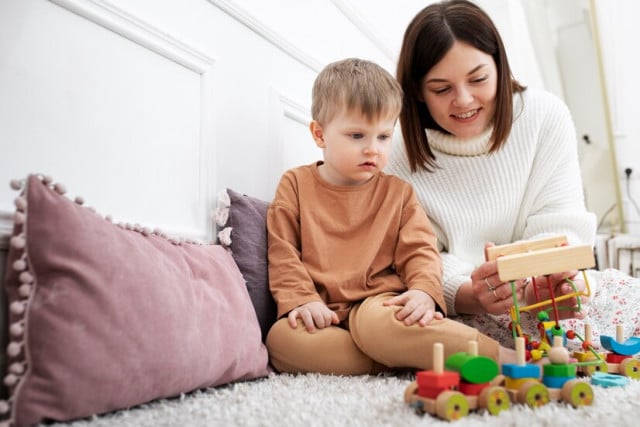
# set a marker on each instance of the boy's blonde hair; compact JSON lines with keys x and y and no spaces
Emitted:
{"x":355,"y":84}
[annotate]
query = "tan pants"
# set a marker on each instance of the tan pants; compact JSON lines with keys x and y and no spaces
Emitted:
{"x":375,"y":341}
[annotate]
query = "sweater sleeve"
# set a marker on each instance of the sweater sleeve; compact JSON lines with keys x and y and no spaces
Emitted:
{"x":455,"y":273}
{"x":289,"y":281}
{"x":417,"y":259}
{"x":555,"y":188}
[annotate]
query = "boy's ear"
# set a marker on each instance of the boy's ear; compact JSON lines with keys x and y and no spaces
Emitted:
{"x":317,"y":133}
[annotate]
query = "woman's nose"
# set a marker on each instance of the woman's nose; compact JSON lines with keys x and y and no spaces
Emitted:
{"x":462,"y":98}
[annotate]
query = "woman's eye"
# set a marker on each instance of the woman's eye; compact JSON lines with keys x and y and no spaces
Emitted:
{"x":440,"y":90}
{"x":479,"y":79}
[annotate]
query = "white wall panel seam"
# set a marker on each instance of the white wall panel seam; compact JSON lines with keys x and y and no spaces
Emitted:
{"x":249,"y":21}
{"x":364,"y":27}
{"x":150,"y":37}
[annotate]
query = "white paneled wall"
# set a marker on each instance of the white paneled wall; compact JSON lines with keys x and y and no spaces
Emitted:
{"x":147,"y":108}
{"x":111,"y":106}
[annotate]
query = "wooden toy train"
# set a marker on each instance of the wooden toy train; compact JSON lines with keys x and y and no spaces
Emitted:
{"x":468,"y":382}
{"x":471,"y":382}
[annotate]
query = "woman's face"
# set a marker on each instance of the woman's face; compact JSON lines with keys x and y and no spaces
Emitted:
{"x":460,"y":91}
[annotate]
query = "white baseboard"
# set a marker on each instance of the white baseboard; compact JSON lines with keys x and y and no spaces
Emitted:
{"x":6,"y":227}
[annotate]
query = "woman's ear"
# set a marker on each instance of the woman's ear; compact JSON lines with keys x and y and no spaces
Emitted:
{"x":317,"y":133}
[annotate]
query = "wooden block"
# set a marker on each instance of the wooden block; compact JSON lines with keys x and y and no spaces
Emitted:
{"x":471,"y":389}
{"x":559,"y":370}
{"x":525,"y":246}
{"x":473,"y":369}
{"x":555,"y":383}
{"x":517,"y":372}
{"x":442,"y":381}
{"x":544,"y":262}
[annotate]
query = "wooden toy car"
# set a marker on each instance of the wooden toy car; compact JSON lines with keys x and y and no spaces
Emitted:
{"x":618,"y":359}
{"x":468,"y":383}
{"x":558,"y":380}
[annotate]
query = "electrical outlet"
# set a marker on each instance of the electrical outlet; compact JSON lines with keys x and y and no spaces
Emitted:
{"x":628,"y":172}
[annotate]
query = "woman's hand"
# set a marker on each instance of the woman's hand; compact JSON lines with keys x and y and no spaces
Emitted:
{"x":492,"y":294}
{"x":560,"y":286}
{"x":314,"y":314}
{"x":496,"y":297}
{"x":417,"y":306}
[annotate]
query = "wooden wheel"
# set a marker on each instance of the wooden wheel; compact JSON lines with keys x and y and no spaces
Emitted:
{"x":410,"y":391}
{"x":533,"y":394}
{"x":451,"y":405}
{"x":578,"y":393}
{"x":630,"y":368}
{"x":494,"y":399}
{"x":599,"y":367}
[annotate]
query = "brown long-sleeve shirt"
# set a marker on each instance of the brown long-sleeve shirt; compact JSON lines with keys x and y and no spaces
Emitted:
{"x":340,"y":245}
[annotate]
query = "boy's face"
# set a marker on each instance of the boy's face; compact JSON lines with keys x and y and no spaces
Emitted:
{"x":354,"y":148}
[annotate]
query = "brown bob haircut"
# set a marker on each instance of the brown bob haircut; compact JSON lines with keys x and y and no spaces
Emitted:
{"x":429,"y":36}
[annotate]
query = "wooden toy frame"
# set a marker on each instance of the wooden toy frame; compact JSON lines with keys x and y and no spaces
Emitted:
{"x":541,"y":257}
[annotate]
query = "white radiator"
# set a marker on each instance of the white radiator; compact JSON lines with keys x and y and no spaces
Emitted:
{"x":623,"y":253}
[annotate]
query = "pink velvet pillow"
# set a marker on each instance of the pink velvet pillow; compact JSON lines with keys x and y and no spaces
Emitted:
{"x":105,"y":316}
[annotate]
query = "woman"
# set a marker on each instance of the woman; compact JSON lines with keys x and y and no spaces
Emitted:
{"x":491,"y":161}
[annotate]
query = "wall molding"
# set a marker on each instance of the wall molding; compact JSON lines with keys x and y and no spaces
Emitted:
{"x":281,"y":108}
{"x":365,"y":28}
{"x":259,"y":28}
{"x":608,"y":18}
{"x":155,"y":40}
{"x":295,"y":111}
{"x":138,"y":31}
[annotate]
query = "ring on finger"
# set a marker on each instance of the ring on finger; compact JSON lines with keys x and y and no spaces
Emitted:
{"x":489,"y":286}
{"x":493,"y":291}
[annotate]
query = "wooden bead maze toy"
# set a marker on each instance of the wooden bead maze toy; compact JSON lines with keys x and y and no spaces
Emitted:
{"x":537,"y":260}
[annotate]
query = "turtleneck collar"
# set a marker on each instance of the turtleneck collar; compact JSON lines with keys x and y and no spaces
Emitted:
{"x":452,"y":145}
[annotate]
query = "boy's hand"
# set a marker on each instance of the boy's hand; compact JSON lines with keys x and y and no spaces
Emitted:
{"x":417,"y":306}
{"x":313,"y":314}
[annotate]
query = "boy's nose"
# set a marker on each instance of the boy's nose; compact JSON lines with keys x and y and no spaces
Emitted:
{"x":371,"y":148}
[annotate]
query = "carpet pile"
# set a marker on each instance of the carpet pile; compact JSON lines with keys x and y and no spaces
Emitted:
{"x":322,"y":400}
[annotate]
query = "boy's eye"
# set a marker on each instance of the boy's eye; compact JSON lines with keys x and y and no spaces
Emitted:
{"x":357,"y":136}
{"x":384,"y":137}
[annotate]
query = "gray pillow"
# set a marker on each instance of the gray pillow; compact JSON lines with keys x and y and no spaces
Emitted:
{"x":248,"y":222}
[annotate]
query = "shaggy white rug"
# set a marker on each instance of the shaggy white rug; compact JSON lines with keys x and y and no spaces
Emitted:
{"x":319,"y":400}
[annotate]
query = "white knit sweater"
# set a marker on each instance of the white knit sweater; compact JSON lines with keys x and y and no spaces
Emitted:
{"x":530,"y":188}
